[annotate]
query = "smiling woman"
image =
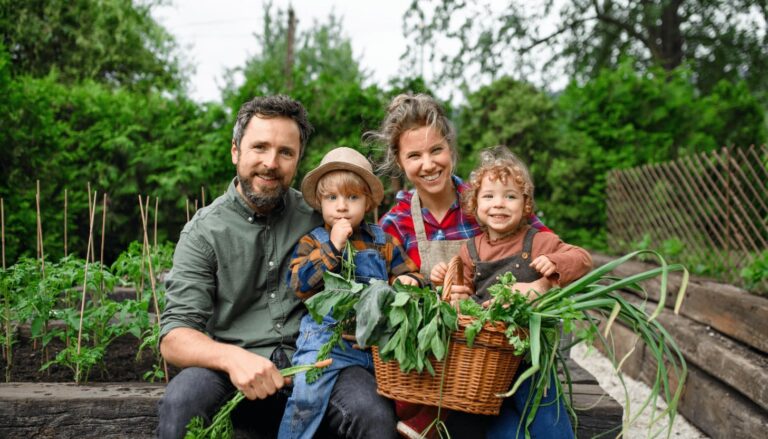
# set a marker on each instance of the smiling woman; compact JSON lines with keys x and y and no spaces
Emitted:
{"x":429,"y":220}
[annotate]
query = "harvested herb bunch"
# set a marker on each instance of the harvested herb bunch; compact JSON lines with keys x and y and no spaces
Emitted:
{"x":408,"y":323}
{"x":221,"y":425}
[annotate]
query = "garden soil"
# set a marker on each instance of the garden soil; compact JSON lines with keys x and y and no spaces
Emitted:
{"x":120,"y":363}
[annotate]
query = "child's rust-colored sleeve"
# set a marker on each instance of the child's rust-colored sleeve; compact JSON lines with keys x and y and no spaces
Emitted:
{"x":571,"y":262}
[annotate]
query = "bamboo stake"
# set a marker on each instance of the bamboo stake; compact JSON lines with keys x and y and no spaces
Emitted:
{"x":40,"y":249}
{"x":202,"y":192}
{"x":140,"y":290}
{"x":157,"y":202}
{"x":195,"y":205}
{"x":2,"y":228}
{"x":7,"y":352}
{"x":187,"y":200}
{"x":152,"y":282}
{"x":65,"y":223}
{"x":91,"y":210}
{"x":41,"y":255}
{"x":103,"y":231}
{"x":85,"y":285}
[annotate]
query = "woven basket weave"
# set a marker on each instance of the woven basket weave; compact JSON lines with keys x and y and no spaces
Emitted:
{"x":472,"y":377}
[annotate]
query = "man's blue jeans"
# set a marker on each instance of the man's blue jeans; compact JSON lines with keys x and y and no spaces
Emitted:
{"x":355,"y":409}
{"x":307,"y":404}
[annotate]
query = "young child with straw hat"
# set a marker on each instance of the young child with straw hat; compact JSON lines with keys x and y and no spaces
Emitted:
{"x":343,"y":188}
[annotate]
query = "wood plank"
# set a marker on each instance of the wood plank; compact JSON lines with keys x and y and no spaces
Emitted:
{"x":728,"y":309}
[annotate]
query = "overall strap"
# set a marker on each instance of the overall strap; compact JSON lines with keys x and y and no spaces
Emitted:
{"x":379,"y":237}
{"x":320,"y":234}
{"x":528,"y":243}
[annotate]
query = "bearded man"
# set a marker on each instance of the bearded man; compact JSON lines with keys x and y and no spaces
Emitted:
{"x":230,"y":320}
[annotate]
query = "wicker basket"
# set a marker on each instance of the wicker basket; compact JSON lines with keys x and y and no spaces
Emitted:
{"x":473,"y":376}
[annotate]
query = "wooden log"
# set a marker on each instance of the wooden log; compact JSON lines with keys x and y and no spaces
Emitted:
{"x":728,"y":309}
{"x":119,"y":410}
{"x":48,"y":410}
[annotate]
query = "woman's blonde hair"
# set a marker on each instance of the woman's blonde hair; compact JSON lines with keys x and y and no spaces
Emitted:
{"x":409,"y":111}
{"x":499,"y":163}
{"x":346,"y":183}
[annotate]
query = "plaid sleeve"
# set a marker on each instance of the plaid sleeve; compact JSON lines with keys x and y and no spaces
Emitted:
{"x":399,"y":263}
{"x":310,"y":260}
{"x":538,"y":225}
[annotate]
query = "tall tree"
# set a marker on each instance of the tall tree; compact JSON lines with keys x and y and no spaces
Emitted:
{"x":324,"y":76}
{"x":719,"y":39}
{"x":110,"y":41}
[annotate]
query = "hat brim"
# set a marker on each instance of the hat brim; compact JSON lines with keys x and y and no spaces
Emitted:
{"x":309,"y":184}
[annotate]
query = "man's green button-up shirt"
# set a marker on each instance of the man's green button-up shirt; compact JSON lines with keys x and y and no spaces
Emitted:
{"x":228,"y":275}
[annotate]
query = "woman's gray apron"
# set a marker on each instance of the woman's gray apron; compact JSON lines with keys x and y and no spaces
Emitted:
{"x":431,"y":252}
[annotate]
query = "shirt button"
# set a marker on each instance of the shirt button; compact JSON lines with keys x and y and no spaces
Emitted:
{"x":279,"y":326}
{"x":272,"y":295}
{"x":271,"y":264}
{"x":250,"y":219}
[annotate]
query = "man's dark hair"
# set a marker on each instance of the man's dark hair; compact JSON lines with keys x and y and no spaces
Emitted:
{"x":270,"y":107}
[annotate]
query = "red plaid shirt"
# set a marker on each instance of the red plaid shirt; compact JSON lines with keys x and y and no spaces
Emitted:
{"x":455,"y":225}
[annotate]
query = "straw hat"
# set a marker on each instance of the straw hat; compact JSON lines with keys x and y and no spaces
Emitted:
{"x":341,"y":159}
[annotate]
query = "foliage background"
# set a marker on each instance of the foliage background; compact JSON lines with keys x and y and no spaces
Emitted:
{"x":106,"y":104}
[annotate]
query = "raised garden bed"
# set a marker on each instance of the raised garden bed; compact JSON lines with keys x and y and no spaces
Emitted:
{"x":50,"y":405}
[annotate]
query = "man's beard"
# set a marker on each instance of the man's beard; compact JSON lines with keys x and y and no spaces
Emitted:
{"x":264,"y":200}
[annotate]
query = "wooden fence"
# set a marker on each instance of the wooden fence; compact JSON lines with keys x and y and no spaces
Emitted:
{"x":713,"y":206}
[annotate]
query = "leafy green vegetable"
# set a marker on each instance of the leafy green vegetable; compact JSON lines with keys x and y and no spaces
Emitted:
{"x":221,"y":425}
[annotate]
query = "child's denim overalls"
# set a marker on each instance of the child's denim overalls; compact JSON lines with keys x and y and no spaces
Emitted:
{"x":551,"y":421}
{"x":307,"y":404}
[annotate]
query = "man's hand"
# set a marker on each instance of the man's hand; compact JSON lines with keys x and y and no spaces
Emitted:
{"x":544,"y":265}
{"x":340,"y":232}
{"x":407,"y":280}
{"x":437,"y":276}
{"x":254,"y":375}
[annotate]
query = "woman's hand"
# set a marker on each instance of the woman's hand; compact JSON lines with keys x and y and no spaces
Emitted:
{"x":437,"y":276}
{"x":407,"y":280}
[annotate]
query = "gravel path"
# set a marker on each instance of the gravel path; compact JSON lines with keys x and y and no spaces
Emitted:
{"x":599,"y":366}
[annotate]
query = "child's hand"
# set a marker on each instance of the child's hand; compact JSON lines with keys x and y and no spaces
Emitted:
{"x":544,"y":265}
{"x":407,"y":280}
{"x":437,"y":276}
{"x":533,"y":289}
{"x":459,"y":293}
{"x":340,"y":232}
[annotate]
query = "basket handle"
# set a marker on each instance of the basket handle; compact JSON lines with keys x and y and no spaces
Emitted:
{"x":454,"y":276}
